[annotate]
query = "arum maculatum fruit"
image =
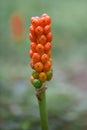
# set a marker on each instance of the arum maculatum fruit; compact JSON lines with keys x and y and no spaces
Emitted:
{"x":40,"y":50}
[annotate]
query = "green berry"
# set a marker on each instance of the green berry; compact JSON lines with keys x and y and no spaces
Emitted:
{"x":35,"y":74}
{"x":37,"y":83}
{"x":49,"y":75}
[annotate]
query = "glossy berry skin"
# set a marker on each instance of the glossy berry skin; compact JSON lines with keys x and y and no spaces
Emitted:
{"x":34,"y":21}
{"x":49,"y":37}
{"x":31,"y":53}
{"x":32,"y":30}
{"x":36,"y":57}
{"x":38,"y":30}
{"x":49,"y":75}
{"x":32,"y":37}
{"x":48,"y":19}
{"x":33,"y":46}
{"x":42,"y":77}
{"x":40,"y":49}
{"x":44,"y":58}
{"x":47,"y":66}
{"x":37,"y":83}
{"x":48,"y":53}
{"x":38,"y":66}
{"x":32,"y":79}
{"x":43,"y":21}
{"x":31,"y":64}
{"x":48,"y":46}
{"x":47,"y":29}
{"x":35,"y":74}
{"x":42,"y":39}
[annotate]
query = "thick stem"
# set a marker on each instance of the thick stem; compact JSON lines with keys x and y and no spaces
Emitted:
{"x":43,"y":112}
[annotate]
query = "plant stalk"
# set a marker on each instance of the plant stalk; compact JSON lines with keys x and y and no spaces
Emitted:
{"x":43,"y":111}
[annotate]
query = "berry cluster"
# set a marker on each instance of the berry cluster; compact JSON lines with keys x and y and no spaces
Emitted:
{"x":41,"y":43}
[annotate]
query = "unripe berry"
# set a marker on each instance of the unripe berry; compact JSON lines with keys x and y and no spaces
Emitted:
{"x":37,"y":83}
{"x":35,"y":74}
{"x":42,"y":76}
{"x":32,"y":79}
{"x":49,"y":75}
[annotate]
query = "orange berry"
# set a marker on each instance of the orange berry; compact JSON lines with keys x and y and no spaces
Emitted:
{"x":43,"y":15}
{"x":32,"y":37}
{"x":33,"y":46}
{"x":42,"y":76}
{"x":32,"y":29}
{"x":48,"y":53}
{"x":42,"y":39}
{"x":51,"y":61}
{"x":49,"y":37}
{"x":35,"y":21}
{"x":38,"y":66}
{"x":32,"y":79}
{"x":43,"y":21}
{"x":40,"y":48}
{"x":44,"y":58}
{"x":48,"y":46}
{"x":47,"y":66}
{"x":39,"y":30}
{"x":36,"y":57}
{"x":32,"y":64}
{"x":47,"y":29}
{"x":31,"y":53}
{"x":48,"y":19}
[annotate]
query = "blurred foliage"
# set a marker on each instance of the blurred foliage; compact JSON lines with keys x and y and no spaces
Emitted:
{"x":66,"y":94}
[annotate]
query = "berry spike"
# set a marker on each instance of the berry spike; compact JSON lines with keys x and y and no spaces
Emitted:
{"x":40,"y":49}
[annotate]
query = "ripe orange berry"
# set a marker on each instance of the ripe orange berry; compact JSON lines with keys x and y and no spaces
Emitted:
{"x":32,"y":37}
{"x":43,"y":21}
{"x":32,"y":79}
{"x":48,"y":46}
{"x":32,"y":29}
{"x":32,"y":64}
{"x":35,"y":21}
{"x":31,"y":53}
{"x":47,"y":66}
{"x":33,"y":46}
{"x":39,"y":30}
{"x":36,"y":57}
{"x":42,"y":76}
{"x":43,"y":15}
{"x":47,"y":29}
{"x":40,"y":48}
{"x":49,"y":37}
{"x":44,"y":58}
{"x":48,"y":19}
{"x":38,"y":66}
{"x":48,"y":53}
{"x":42,"y":39}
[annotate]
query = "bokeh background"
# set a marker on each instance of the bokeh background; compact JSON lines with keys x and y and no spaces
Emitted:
{"x":67,"y":92}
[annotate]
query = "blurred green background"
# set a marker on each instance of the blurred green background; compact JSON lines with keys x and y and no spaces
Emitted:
{"x":67,"y":92}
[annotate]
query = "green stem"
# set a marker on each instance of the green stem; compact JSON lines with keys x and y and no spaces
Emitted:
{"x":43,"y":112}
